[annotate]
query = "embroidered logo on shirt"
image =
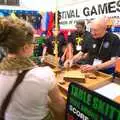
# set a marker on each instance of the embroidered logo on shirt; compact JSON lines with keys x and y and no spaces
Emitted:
{"x":106,"y":44}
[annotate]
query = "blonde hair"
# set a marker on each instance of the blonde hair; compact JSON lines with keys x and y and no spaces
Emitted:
{"x":15,"y":33}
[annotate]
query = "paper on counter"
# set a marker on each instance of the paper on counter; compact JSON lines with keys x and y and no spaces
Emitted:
{"x":110,"y":91}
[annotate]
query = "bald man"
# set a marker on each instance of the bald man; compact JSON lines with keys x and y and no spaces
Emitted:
{"x":101,"y":54}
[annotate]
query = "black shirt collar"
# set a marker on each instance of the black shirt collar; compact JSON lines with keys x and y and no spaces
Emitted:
{"x":99,"y":40}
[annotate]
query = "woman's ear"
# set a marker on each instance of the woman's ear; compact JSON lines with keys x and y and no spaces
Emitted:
{"x":25,"y":47}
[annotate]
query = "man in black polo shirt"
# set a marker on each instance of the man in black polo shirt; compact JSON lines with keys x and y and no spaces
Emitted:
{"x":50,"y":43}
{"x":101,"y":54}
{"x":77,"y":39}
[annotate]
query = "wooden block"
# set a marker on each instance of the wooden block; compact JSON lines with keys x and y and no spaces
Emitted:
{"x":74,"y":76}
{"x":51,"y":61}
{"x":90,"y":75}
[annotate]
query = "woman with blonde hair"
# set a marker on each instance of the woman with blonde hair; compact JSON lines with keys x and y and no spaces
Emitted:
{"x":37,"y":94}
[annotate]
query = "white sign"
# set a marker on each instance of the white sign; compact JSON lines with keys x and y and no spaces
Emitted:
{"x":70,"y":14}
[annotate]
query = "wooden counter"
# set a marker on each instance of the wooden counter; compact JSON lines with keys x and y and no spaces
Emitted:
{"x":101,"y":80}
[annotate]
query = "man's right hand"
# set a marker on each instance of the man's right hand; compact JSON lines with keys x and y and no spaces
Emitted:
{"x":68,"y":63}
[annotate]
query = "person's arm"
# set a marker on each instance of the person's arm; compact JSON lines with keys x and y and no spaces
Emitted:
{"x":70,"y":51}
{"x":90,"y":68}
{"x":78,"y":56}
{"x":68,"y":63}
{"x":43,"y":53}
{"x":64,"y":54}
{"x":106,"y":64}
{"x":57,"y":103}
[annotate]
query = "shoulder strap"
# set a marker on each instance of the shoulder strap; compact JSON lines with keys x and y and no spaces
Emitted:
{"x":9,"y":95}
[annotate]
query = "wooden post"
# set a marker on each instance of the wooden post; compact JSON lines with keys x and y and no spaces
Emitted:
{"x":56,"y":34}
